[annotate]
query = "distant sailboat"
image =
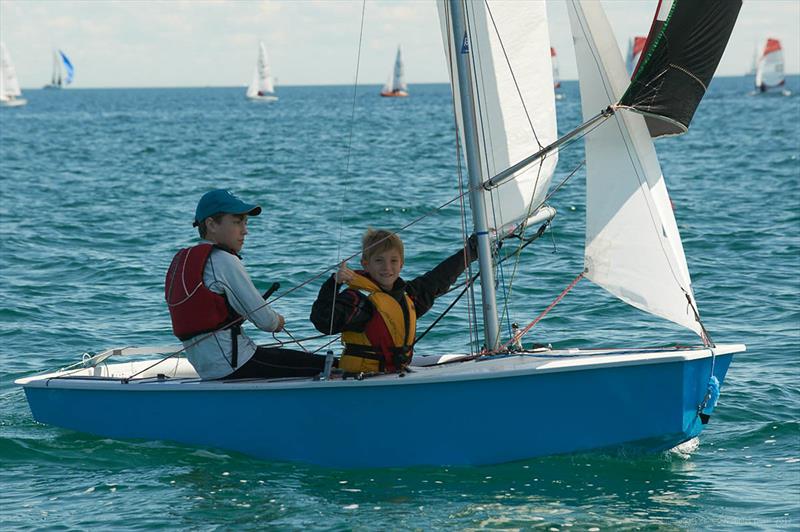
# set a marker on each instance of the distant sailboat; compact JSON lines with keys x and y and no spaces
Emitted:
{"x":63,"y":71}
{"x":769,"y":69}
{"x":754,"y":65}
{"x":262,"y":87}
{"x":635,"y":47}
{"x":396,"y":86}
{"x":556,"y":77}
{"x":9,"y":84}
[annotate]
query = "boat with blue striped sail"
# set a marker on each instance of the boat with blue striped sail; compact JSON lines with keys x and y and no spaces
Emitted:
{"x":635,"y":399}
{"x":63,"y":71}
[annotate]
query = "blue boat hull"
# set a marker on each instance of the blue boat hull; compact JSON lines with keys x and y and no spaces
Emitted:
{"x":646,"y":407}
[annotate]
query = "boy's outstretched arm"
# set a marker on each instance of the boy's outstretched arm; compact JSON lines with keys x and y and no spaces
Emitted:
{"x":427,"y":287}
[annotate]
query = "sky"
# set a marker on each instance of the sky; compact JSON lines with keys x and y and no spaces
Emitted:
{"x":197,"y":43}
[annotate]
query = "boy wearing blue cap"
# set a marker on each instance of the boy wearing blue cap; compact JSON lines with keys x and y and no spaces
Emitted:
{"x":210,"y":294}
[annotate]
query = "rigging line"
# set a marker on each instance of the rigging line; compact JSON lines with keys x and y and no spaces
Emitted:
{"x":514,"y":77}
{"x":479,"y":84}
{"x":552,"y":193}
{"x":544,"y":201}
{"x":527,"y":116}
{"x":307,"y":338}
{"x":472,"y":319}
{"x":401,"y":229}
{"x":347,"y":163}
{"x":241,"y":319}
{"x":525,"y":244}
{"x":609,"y":92}
{"x":565,"y":140}
{"x":522,"y":234}
{"x":477,"y":81}
{"x":528,"y":327}
{"x":467,"y":286}
{"x":326,"y":345}
{"x":471,"y":313}
{"x":501,"y":277}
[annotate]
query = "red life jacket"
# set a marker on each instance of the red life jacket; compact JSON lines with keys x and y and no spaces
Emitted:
{"x":194,"y":308}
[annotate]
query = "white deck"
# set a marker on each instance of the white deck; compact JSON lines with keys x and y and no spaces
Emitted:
{"x":178,"y":374}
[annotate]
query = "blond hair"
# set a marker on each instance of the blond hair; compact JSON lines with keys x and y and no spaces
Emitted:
{"x":377,"y":241}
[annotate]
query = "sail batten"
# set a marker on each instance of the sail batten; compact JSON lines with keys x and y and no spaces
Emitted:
{"x":684,"y":47}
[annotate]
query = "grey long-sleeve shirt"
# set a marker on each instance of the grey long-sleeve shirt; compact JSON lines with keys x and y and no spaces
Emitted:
{"x":225,"y":274}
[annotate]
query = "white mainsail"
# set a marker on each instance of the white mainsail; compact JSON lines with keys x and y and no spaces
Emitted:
{"x":769,"y":69}
{"x":512,"y":81}
{"x":633,"y":248}
{"x":396,"y":84}
{"x":261,"y":84}
{"x":9,"y":80}
{"x":9,"y":83}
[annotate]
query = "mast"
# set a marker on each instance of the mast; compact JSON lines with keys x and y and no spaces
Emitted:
{"x":55,"y":78}
{"x":491,"y":326}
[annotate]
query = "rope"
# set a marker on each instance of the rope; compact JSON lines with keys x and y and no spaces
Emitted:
{"x":522,"y":332}
{"x":469,"y":283}
{"x":347,"y":163}
{"x":472,"y":319}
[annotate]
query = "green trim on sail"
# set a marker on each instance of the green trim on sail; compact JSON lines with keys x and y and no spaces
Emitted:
{"x":651,"y":48}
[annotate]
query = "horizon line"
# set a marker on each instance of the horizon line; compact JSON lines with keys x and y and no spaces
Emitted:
{"x":376,"y":84}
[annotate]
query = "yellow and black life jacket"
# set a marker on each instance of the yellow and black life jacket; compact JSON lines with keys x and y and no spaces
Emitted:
{"x":387,"y":340}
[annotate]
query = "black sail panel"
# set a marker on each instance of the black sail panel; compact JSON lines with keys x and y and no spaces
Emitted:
{"x":681,"y":56}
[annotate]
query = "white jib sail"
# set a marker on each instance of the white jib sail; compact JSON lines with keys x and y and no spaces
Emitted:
{"x":512,"y":84}
{"x":9,"y":83}
{"x":633,"y":248}
{"x":262,"y":78}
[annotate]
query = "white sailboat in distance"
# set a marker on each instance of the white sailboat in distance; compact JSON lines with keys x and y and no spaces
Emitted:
{"x":635,"y":48}
{"x":770,"y":75}
{"x":262,"y":87}
{"x":9,"y":84}
{"x":556,"y":76}
{"x":396,"y":86}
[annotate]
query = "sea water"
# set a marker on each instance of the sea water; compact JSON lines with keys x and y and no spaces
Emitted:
{"x":98,"y":190}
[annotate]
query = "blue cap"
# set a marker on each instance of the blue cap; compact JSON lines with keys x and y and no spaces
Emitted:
{"x":222,"y":201}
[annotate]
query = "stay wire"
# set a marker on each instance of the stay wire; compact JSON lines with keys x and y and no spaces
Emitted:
{"x":472,"y":318}
{"x":478,"y":81}
{"x":470,"y":282}
{"x":347,"y":163}
{"x":513,"y":76}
